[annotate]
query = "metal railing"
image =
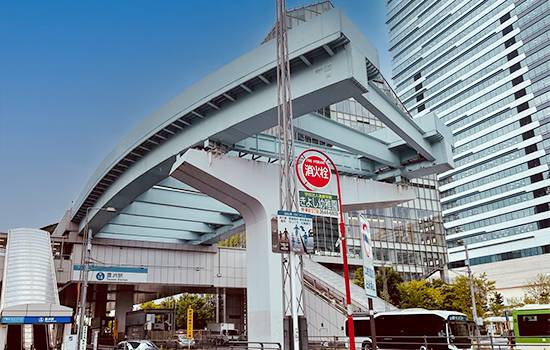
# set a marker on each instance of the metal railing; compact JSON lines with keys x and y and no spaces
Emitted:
{"x":254,"y":345}
{"x":485,"y":342}
{"x":329,"y":343}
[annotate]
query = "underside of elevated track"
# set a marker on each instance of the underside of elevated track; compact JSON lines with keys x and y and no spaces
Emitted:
{"x":223,"y":125}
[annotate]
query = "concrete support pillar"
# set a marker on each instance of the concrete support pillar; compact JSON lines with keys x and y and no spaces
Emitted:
{"x":235,"y":308}
{"x":252,"y":188}
{"x":100,"y":301}
{"x":69,"y":297}
{"x":124,"y":303}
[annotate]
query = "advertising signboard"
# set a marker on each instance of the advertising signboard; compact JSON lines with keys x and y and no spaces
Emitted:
{"x":318,"y":204}
{"x":368,"y":259}
{"x":293,"y":231}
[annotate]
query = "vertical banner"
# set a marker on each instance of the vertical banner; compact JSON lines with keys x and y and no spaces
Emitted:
{"x":189,"y":332}
{"x":84,"y":337}
{"x":115,"y":330}
{"x":368,"y":258}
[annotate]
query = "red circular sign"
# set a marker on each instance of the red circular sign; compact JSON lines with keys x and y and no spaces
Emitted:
{"x":316,"y":171}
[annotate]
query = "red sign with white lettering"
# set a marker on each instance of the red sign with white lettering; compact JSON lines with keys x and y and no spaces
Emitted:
{"x":316,"y":171}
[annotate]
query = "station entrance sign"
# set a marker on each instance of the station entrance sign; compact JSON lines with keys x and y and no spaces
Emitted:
{"x":112,"y":274}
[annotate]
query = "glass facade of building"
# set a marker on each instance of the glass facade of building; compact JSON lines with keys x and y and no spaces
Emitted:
{"x":409,"y":237}
{"x":483,"y":68}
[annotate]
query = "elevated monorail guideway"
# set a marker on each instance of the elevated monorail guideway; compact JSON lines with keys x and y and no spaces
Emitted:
{"x":239,"y":101}
{"x":227,"y":113}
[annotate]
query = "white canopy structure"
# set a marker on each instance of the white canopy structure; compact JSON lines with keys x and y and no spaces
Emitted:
{"x":29,"y":286}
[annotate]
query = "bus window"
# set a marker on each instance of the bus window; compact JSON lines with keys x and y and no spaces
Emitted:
{"x":410,"y":325}
{"x":534,"y":325}
{"x":459,"y":329}
{"x":361,"y":327}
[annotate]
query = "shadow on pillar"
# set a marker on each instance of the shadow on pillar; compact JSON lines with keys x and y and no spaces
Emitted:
{"x":40,"y":337}
{"x":15,"y":337}
{"x":302,"y":328}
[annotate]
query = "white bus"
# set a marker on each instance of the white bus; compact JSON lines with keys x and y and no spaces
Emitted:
{"x":415,"y":329}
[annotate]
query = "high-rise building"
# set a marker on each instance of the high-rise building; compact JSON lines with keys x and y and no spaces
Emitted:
{"x":483,"y":66}
{"x":409,"y":237}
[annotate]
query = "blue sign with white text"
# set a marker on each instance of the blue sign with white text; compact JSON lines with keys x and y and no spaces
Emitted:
{"x":35,"y":319}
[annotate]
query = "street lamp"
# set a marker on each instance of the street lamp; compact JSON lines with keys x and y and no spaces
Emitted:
{"x":472,"y":291}
{"x":86,"y":254}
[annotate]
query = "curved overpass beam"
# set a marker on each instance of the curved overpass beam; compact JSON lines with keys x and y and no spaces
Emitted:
{"x":327,"y":80}
{"x":248,"y":116}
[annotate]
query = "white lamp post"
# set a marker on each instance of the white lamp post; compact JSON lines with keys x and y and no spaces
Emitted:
{"x":84,"y":273}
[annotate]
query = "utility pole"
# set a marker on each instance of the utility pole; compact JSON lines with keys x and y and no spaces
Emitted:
{"x":84,"y":290}
{"x":85,"y":267}
{"x":472,"y":292}
{"x":292,"y":266}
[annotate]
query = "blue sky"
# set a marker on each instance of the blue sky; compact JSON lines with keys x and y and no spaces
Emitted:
{"x":76,"y":76}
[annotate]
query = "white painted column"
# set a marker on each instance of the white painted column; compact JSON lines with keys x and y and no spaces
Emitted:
{"x":251,"y":188}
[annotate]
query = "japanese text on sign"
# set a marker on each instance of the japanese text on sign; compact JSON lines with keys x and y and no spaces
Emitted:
{"x":368,"y":259}
{"x":294,"y":231}
{"x":319,"y":204}
{"x":313,"y":172}
{"x":189,"y":323}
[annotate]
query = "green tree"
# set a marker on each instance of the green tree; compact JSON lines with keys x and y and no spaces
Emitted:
{"x":420,"y":294}
{"x":514,"y":302}
{"x":457,"y":296}
{"x":203,"y":310}
{"x":393,"y":279}
{"x":149,"y":305}
{"x":237,"y":240}
{"x":358,"y":277}
{"x":538,"y":290}
{"x":496,"y":304}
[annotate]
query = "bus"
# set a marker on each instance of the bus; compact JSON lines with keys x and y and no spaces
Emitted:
{"x":498,"y":326}
{"x":532,"y":326}
{"x":415,"y":329}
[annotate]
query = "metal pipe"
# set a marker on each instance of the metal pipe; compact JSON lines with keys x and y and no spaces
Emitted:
{"x":84,"y":291}
{"x":86,"y":257}
{"x":472,"y":293}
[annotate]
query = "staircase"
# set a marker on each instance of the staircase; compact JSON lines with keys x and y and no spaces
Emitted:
{"x":330,"y":286}
{"x":325,"y":301}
